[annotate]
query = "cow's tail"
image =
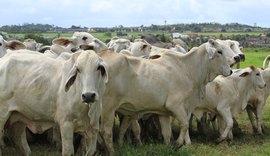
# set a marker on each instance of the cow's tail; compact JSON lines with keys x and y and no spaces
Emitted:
{"x":266,"y":62}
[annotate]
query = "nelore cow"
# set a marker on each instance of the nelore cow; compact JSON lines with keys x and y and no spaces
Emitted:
{"x":169,"y":85}
{"x":228,"y":96}
{"x":40,"y":92}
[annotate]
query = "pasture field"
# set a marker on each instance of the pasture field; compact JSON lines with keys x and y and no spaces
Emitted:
{"x":226,"y":34}
{"x":244,"y":143}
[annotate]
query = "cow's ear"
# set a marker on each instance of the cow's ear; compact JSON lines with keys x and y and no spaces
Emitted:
{"x":71,"y":77}
{"x":244,"y":74}
{"x":210,"y":48}
{"x":73,"y":72}
{"x":61,"y":41}
{"x":15,"y":45}
{"x":104,"y":71}
{"x":64,"y":41}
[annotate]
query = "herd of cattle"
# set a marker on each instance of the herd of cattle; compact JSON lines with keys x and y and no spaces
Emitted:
{"x":79,"y":84}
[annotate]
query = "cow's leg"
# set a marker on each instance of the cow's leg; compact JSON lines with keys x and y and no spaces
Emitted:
{"x":91,"y":140}
{"x":107,"y":121}
{"x":251,"y":118}
{"x":181,"y":115}
{"x":226,"y":115}
{"x":136,"y":129}
{"x":221,"y":124}
{"x":259,"y":113}
{"x":17,"y":132}
{"x":53,"y":136}
{"x":166,"y":128}
{"x":125,"y":123}
{"x":213,"y":121}
{"x":67,"y":130}
{"x":202,"y":124}
{"x":4,"y":115}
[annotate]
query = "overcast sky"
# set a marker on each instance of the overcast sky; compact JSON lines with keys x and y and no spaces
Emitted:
{"x":110,"y":13}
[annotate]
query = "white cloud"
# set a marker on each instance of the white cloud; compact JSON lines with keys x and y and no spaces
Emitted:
{"x":128,"y":13}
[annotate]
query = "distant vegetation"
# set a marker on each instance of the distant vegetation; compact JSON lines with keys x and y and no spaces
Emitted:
{"x":195,"y":34}
{"x":194,"y":27}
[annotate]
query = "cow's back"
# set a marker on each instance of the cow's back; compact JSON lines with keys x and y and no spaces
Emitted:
{"x":139,"y":83}
{"x":29,"y":80}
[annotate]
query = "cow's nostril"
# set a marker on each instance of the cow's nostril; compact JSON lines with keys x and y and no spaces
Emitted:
{"x":89,"y":97}
{"x":242,"y":57}
{"x":237,"y":58}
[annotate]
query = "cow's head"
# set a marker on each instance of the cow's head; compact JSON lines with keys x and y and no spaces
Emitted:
{"x":140,"y":48}
{"x":119,"y":44}
{"x":83,"y":37}
{"x":236,"y":48}
{"x":13,"y":45}
{"x":255,"y":76}
{"x":91,"y":72}
{"x":219,"y":59}
{"x":96,"y":45}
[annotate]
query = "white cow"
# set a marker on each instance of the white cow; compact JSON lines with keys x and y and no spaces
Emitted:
{"x":139,"y":47}
{"x":181,"y":44}
{"x":112,"y":41}
{"x":141,"y":86}
{"x":96,"y":45}
{"x":40,"y":92}
{"x":31,"y":44}
{"x":77,"y":41}
{"x":257,"y":102}
{"x":12,"y":45}
{"x":164,"y":121}
{"x":119,"y":44}
{"x":235,"y":46}
{"x":178,"y":48}
{"x":83,"y":38}
{"x":228,"y":96}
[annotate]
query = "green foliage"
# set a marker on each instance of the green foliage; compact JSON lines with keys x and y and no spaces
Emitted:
{"x":27,"y":28}
{"x":108,"y":34}
{"x":38,"y":37}
{"x":164,"y":38}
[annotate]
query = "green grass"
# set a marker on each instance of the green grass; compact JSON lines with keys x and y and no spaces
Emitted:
{"x":255,"y":56}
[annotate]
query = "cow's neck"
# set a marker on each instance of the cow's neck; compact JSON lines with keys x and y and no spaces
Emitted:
{"x":245,"y":90}
{"x":198,"y":65}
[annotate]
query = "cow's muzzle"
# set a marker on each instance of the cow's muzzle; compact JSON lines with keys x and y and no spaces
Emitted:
{"x":89,"y":97}
{"x":237,"y":58}
{"x":242,"y":57}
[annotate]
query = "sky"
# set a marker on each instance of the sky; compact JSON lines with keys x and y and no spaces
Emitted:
{"x":111,"y":13}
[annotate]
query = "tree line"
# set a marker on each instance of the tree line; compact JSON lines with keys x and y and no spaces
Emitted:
{"x":193,"y":27}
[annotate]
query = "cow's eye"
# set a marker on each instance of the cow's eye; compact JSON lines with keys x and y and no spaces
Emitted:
{"x":102,"y":70}
{"x":257,"y":74}
{"x":78,"y":70}
{"x":220,"y":52}
{"x":0,"y":44}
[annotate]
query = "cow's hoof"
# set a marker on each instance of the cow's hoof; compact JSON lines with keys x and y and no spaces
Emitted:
{"x":219,"y":140}
{"x":176,"y":146}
